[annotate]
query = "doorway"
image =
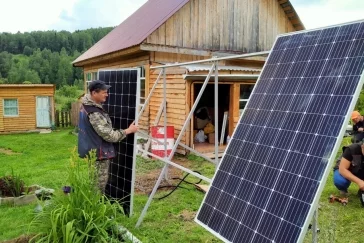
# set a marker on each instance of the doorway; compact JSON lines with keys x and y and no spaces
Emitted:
{"x":43,"y":111}
{"x":204,"y":116}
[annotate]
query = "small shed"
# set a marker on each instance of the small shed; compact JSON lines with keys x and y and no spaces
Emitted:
{"x":26,"y":107}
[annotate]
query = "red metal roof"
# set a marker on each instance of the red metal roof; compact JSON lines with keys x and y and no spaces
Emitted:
{"x":136,"y":28}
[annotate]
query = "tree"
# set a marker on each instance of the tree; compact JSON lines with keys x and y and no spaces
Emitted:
{"x":27,"y":51}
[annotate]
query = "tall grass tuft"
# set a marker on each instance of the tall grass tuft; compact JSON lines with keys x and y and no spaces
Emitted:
{"x":83,"y":215}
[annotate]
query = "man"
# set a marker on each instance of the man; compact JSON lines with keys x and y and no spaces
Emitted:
{"x":350,"y":168}
{"x":96,"y":131}
{"x":358,"y":126}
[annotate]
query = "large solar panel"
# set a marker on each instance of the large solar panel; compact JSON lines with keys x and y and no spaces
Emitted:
{"x":121,"y":106}
{"x":268,"y":183}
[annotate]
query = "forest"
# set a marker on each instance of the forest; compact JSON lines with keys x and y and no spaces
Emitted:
{"x":45,"y":57}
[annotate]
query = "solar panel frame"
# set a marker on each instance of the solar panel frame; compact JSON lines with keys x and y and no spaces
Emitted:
{"x":137,"y":105}
{"x":332,"y":156}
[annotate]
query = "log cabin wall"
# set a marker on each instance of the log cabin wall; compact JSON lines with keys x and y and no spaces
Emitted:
{"x":225,"y":25}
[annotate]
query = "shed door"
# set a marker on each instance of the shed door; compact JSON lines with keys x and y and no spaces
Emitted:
{"x":43,"y":111}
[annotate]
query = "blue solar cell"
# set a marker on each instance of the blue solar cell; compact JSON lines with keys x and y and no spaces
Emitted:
{"x":267,"y":184}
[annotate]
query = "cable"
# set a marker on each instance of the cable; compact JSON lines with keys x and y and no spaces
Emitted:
{"x":178,"y":185}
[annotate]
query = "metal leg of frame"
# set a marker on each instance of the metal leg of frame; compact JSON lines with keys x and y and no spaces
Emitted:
{"x":315,"y":226}
{"x":216,"y":114}
{"x":145,"y":209}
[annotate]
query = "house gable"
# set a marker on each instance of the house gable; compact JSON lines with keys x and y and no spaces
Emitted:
{"x":239,"y":26}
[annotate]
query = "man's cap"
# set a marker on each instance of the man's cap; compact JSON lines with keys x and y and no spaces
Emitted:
{"x":98,"y":84}
{"x":354,"y":115}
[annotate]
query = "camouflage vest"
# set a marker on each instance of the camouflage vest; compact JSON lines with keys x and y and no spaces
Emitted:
{"x":88,"y":139}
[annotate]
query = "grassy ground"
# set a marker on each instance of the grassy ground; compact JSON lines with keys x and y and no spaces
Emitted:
{"x":42,"y":159}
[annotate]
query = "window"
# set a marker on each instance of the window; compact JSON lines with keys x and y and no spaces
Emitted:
{"x":142,"y":85}
{"x":245,"y":91}
{"x":90,"y":77}
{"x":11,"y":107}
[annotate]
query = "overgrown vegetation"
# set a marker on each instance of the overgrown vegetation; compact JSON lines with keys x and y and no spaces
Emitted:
{"x":66,"y":95}
{"x":81,"y":214}
{"x":11,"y":185}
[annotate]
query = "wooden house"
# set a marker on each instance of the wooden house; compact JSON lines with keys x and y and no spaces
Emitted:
{"x":26,"y":107}
{"x":165,"y":31}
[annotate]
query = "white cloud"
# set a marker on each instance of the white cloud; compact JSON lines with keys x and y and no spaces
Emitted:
{"x":30,"y":15}
{"x":96,"y":13}
{"x":322,"y":13}
{"x":26,"y":15}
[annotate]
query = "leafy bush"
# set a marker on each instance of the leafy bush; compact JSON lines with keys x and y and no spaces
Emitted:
{"x":11,"y":185}
{"x":65,"y":96}
{"x":83,"y":214}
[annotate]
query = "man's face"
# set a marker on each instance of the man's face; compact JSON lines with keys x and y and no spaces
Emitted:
{"x":356,"y":119}
{"x":100,"y":96}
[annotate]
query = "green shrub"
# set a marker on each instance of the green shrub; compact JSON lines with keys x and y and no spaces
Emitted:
{"x":11,"y":185}
{"x":65,"y":96}
{"x":83,"y":215}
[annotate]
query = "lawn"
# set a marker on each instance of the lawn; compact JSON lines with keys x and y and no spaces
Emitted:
{"x":42,"y":159}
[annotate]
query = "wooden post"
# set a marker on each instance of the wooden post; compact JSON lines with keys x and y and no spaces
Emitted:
{"x":62,"y":118}
{"x":57,"y":119}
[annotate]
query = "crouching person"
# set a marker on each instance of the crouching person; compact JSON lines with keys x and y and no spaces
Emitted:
{"x":350,"y":168}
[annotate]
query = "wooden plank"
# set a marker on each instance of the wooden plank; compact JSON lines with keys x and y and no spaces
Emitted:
{"x":233,"y":106}
{"x":186,"y":25}
{"x":176,"y":111}
{"x":194,"y":24}
{"x":202,"y":24}
{"x":155,"y":100}
{"x":153,"y":113}
{"x":169,"y":106}
{"x":171,"y":86}
{"x":170,"y":80}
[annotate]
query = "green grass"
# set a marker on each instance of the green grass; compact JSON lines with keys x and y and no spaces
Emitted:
{"x":42,"y":159}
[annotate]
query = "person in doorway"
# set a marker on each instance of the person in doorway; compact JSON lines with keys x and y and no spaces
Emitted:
{"x":350,"y":168}
{"x":358,"y":126}
{"x":96,"y":131}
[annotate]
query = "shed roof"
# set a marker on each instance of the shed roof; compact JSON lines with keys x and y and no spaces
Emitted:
{"x":25,"y":85}
{"x":202,"y":67}
{"x":136,"y":28}
{"x":148,"y":18}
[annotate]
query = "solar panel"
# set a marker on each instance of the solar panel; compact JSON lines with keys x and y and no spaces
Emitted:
{"x":268,"y":183}
{"x":121,"y":106}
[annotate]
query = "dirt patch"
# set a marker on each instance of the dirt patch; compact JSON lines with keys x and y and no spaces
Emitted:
{"x":187,"y":215}
{"x":20,"y":239}
{"x":145,"y":182}
{"x":7,"y":151}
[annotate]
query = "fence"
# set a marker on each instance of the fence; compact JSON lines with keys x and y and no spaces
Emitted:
{"x":68,"y":118}
{"x":75,"y":111}
{"x":63,"y":119}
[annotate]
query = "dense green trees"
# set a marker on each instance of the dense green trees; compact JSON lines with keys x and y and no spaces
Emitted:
{"x":45,"y":56}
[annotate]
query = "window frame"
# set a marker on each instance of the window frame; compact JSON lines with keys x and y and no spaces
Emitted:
{"x":17,"y":107}
{"x":142,"y":78}
{"x":244,"y":100}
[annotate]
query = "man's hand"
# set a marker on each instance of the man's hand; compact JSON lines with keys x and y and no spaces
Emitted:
{"x":132,"y":129}
{"x":361,"y":185}
{"x":360,"y":129}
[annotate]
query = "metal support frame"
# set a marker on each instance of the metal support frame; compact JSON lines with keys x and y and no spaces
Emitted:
{"x":178,"y":140}
{"x":167,"y":160}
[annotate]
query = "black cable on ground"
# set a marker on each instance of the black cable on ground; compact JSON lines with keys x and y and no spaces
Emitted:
{"x":178,"y":185}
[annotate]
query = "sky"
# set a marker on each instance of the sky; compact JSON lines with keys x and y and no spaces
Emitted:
{"x":71,"y":15}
